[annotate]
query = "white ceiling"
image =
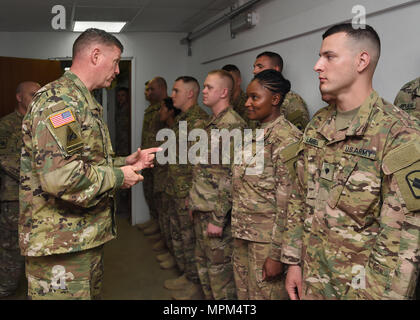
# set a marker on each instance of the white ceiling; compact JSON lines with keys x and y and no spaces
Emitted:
{"x":143,"y":15}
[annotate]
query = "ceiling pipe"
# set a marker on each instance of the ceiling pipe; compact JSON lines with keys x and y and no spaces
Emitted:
{"x":194,"y":35}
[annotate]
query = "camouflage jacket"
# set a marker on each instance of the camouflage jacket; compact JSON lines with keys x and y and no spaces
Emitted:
{"x":151,"y":125}
{"x":295,"y":110}
{"x":408,"y":99}
{"x":260,"y":201}
{"x":10,"y":148}
{"x":212,"y":182}
{"x":160,"y":176}
{"x":179,"y":174}
{"x":68,"y":173}
{"x":355,"y":229}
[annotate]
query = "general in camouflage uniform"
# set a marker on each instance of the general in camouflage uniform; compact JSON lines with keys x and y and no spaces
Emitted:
{"x":408,"y":99}
{"x":11,"y":262}
{"x":69,"y":178}
{"x":66,"y":206}
{"x":211,"y":202}
{"x":177,"y":188}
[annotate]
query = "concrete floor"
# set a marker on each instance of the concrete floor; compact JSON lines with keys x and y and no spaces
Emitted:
{"x":131,"y":269}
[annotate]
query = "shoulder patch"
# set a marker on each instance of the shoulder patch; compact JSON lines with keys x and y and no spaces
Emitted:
{"x":62,"y":118}
{"x":401,"y":157}
{"x":404,"y":163}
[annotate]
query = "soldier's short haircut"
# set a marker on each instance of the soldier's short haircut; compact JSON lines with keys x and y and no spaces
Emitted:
{"x":93,"y":35}
{"x":368,"y":33}
{"x":170,"y":106}
{"x":161,"y":82}
{"x":274,"y":81}
{"x":227,"y":76}
{"x":190,"y":80}
{"x":275,"y":58}
{"x":231,"y":68}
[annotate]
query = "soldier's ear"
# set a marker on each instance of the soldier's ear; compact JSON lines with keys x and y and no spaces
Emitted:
{"x":363,"y":61}
{"x":275,"y":100}
{"x":19,"y":97}
{"x":94,"y":56}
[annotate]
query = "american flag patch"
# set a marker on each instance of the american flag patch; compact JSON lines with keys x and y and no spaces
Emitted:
{"x":62,"y":118}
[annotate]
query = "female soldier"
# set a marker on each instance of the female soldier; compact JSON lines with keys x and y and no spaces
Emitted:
{"x":260,"y":201}
{"x":167,"y":114}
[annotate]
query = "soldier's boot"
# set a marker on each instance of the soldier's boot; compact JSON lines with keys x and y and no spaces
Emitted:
{"x":168,"y":264}
{"x":154,"y":228}
{"x":192,"y":292}
{"x":154,"y":237}
{"x":163,"y":256}
{"x":176,"y":284}
{"x":145,"y":225}
{"x":159,"y":245}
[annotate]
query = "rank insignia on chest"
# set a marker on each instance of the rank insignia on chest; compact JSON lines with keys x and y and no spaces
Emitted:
{"x":413,"y":180}
{"x":327,"y":172}
{"x":62,"y":118}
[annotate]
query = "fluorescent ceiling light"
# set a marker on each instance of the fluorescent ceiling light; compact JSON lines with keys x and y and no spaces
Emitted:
{"x":108,"y":26}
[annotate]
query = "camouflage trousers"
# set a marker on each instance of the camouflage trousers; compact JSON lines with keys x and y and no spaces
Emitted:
{"x":148,"y":192}
{"x":183,"y":238}
{"x":12,"y":264}
{"x":214,"y":260}
{"x":248,"y":260}
{"x":75,"y":276}
{"x":162,"y":201}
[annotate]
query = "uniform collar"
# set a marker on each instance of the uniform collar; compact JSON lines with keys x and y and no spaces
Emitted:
{"x":357,"y":126}
{"x":268,"y":126}
{"x":152,"y":107}
{"x":215,"y":119}
{"x":184,"y":115}
{"x":19,"y":115}
{"x":79,"y":84}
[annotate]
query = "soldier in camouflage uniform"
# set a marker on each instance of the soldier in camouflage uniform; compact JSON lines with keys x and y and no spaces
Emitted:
{"x":260,"y":198}
{"x":353,"y":230}
{"x":11,"y":262}
{"x":184,"y":94}
{"x":238,"y":96}
{"x":294,"y":107}
{"x":408,"y":99}
{"x":69,"y":176}
{"x":210,"y":200}
{"x":167,"y":114}
{"x":156,"y":91}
